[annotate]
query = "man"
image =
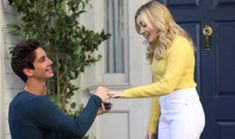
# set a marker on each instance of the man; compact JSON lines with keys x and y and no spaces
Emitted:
{"x":31,"y":114}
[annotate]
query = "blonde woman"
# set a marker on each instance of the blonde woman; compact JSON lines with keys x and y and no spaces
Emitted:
{"x":176,"y":111}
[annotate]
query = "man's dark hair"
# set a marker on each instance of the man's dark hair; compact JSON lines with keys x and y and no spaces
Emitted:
{"x":23,"y":56}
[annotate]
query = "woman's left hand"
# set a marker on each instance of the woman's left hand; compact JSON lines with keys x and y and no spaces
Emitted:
{"x":150,"y":135}
{"x":116,"y":94}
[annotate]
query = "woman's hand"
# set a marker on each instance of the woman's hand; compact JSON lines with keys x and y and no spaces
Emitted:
{"x":116,"y":94}
{"x":150,"y":135}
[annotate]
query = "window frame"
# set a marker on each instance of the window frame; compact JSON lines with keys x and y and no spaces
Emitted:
{"x":100,"y":19}
{"x":138,"y":71}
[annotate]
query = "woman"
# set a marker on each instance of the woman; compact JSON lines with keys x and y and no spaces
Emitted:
{"x":176,"y":109}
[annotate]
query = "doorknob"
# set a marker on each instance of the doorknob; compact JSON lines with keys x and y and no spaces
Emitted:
{"x":207,"y":32}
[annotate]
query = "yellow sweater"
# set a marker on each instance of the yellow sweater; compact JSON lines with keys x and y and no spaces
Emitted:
{"x":175,"y":71}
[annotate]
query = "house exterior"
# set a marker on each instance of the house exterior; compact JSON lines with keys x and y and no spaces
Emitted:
{"x":126,"y":65}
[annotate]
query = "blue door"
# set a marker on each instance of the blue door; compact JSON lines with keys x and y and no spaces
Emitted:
{"x":211,"y":24}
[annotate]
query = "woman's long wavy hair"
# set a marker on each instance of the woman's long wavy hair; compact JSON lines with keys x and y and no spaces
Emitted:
{"x":161,"y":19}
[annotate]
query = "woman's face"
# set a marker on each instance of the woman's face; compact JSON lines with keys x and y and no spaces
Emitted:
{"x":146,"y":29}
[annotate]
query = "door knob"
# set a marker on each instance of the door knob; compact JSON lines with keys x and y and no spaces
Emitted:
{"x":207,"y":32}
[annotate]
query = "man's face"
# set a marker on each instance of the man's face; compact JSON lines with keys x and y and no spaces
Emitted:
{"x":42,"y":65}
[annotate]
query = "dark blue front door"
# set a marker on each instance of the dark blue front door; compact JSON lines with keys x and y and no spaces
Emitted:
{"x":215,"y":67}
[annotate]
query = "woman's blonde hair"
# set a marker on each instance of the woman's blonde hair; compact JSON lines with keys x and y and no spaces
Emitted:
{"x":161,"y":19}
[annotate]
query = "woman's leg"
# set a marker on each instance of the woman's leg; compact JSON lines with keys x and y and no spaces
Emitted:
{"x":184,"y":115}
{"x":186,"y":129}
{"x":163,"y":130}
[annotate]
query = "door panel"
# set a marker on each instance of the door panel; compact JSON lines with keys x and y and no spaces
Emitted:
{"x":187,"y":3}
{"x":225,"y":51}
{"x":215,"y":68}
{"x":126,"y":120}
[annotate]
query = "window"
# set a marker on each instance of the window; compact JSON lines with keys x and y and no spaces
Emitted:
{"x":116,"y":23}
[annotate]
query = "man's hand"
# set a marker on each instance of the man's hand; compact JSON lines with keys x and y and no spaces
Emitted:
{"x":104,"y":109}
{"x":103,"y":93}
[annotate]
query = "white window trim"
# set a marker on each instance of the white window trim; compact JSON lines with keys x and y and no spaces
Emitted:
{"x":136,"y":57}
{"x":120,"y":78}
{"x":106,"y":78}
